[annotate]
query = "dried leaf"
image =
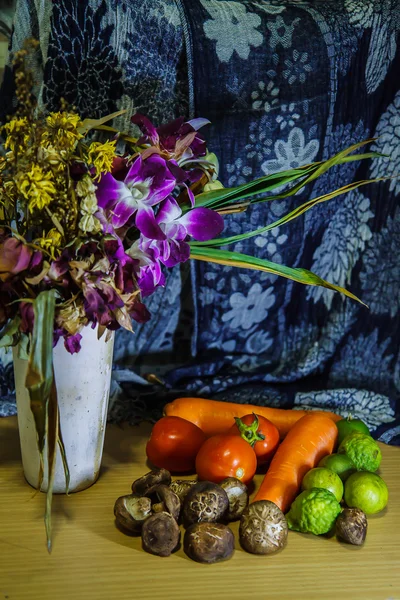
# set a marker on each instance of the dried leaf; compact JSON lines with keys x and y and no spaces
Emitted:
{"x":101,"y":329}
{"x":38,"y":278}
{"x":55,"y":221}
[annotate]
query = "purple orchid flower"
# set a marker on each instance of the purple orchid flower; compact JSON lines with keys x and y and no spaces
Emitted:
{"x":200,"y":223}
{"x":72,"y":343}
{"x":147,"y":183}
{"x":149,"y":274}
{"x":177,"y":140}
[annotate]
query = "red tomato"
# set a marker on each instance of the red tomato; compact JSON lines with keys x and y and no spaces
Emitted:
{"x":226,"y":456}
{"x":252,"y":432}
{"x":174,"y":444}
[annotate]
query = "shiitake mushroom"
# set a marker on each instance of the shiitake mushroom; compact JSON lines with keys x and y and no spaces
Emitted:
{"x":160,"y":534}
{"x":263,"y":528}
{"x":205,"y":502}
{"x":131,"y":512}
{"x":181,"y":487}
{"x":168,"y":501}
{"x":144,"y":484}
{"x":238,"y":497}
{"x":208,"y":542}
{"x":351,"y":526}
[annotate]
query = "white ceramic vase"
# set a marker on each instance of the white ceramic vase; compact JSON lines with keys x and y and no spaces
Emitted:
{"x":83,"y":388}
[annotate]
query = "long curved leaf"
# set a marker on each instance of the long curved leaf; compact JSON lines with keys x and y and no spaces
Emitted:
{"x":52,"y":428}
{"x":88,"y":124}
{"x":42,"y":390}
{"x":219,"y":197}
{"x":299,"y":210}
{"x":39,"y":378}
{"x":236,"y":259}
{"x":308,"y":173}
{"x":340,"y":158}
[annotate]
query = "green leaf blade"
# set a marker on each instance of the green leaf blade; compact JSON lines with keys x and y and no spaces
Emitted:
{"x":235,"y":259}
{"x":39,"y":378}
{"x":40,"y":383}
{"x":297,"y":212}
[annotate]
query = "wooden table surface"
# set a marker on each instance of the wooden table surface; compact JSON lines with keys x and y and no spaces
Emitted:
{"x":92,"y":559}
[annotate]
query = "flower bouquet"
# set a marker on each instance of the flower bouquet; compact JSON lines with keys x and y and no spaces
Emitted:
{"x":90,"y":220}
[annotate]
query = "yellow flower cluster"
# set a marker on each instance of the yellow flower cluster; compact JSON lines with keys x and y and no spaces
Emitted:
{"x":51,"y":241}
{"x":101,"y":156}
{"x":18,"y":134}
{"x":62,"y":130}
{"x":37,"y":187}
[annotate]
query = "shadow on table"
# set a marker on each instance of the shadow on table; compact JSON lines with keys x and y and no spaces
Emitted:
{"x":10,"y":450}
{"x":125,"y":443}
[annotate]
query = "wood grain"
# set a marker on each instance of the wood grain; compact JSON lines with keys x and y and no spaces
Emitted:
{"x":92,"y":559}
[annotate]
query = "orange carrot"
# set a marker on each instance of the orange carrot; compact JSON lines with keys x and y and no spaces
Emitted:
{"x":213,"y":416}
{"x":311,"y":438}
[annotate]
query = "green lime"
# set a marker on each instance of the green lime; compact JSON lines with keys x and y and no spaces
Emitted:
{"x":324,"y":479}
{"x":313,"y":511}
{"x":349,"y":425}
{"x":362,"y":450}
{"x":366,"y":491}
{"x":339,"y":464}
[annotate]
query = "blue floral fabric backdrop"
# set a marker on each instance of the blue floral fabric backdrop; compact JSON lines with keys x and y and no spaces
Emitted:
{"x":284,"y":83}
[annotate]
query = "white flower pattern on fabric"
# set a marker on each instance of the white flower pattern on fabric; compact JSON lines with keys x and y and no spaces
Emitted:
{"x":342,"y":242}
{"x":239,"y":172}
{"x":382,"y":293}
{"x":232,"y":27}
{"x":288,"y":116}
{"x":388,"y":142}
{"x":373,"y":409}
{"x":298,"y":68}
{"x":281,"y":33}
{"x":260,"y":142}
{"x":271,"y":242}
{"x":251,"y":309}
{"x":292,"y":153}
{"x":265,"y":97}
{"x":258,"y":342}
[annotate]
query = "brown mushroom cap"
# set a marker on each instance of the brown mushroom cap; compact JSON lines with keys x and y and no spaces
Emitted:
{"x":238,"y":497}
{"x":142,"y":485}
{"x":205,"y":502}
{"x":209,"y":542}
{"x":160,"y":534}
{"x":181,"y":487}
{"x":263,"y":528}
{"x":351,"y":526}
{"x":131,"y":512}
{"x":168,"y":498}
